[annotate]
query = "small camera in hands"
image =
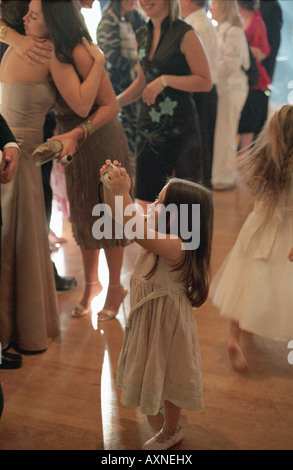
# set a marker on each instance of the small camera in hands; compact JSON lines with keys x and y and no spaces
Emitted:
{"x":105,"y":178}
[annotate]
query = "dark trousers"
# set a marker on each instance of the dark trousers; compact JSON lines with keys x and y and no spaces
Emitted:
{"x":206,"y":105}
{"x":1,"y":401}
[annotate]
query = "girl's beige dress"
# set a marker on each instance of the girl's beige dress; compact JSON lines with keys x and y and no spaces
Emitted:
{"x":28,"y":303}
{"x":160,"y":358}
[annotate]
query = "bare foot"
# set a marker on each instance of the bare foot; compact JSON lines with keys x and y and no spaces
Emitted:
{"x":236,"y":357}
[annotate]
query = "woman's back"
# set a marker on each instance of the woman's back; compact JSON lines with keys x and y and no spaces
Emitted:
{"x":15,"y":69}
{"x":24,"y":106}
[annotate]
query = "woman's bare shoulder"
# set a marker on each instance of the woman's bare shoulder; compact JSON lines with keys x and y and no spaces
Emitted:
{"x":14,"y":68}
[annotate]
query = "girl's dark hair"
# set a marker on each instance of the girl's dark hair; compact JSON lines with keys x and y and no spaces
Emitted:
{"x":12,"y":13}
{"x":195,"y":264}
{"x":66,"y":26}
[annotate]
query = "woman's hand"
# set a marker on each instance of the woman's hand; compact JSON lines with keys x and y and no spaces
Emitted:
{"x":94,"y":51}
{"x":33,"y":50}
{"x":257,"y":54}
{"x":70,"y":144}
{"x":152,"y":90}
{"x":119,"y":180}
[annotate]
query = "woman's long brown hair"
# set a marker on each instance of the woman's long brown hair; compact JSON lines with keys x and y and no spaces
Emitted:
{"x":66,"y":26}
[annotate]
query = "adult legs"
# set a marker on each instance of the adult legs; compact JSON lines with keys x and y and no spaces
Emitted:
{"x":116,"y":291}
{"x":93,"y":286}
{"x":230,"y":104}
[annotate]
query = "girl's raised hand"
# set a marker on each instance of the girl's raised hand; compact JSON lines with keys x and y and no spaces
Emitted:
{"x":118,"y":179}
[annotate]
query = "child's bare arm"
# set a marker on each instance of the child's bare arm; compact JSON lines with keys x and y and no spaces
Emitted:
{"x":168,"y":246}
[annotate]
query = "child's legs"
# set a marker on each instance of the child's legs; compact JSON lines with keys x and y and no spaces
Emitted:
{"x":235,"y":331}
{"x":235,"y":353}
{"x":172,"y":415}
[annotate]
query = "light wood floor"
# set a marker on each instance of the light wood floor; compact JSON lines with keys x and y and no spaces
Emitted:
{"x":66,"y":398}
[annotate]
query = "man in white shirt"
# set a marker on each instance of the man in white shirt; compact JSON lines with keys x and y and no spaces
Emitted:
{"x":194,"y":13}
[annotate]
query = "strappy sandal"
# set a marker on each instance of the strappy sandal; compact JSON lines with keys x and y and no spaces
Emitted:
{"x":106,"y":314}
{"x":80,"y":310}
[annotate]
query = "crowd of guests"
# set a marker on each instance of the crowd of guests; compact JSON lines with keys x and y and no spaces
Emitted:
{"x":230,"y":108}
{"x":181,"y":98}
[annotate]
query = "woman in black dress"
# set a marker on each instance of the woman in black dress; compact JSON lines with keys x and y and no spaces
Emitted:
{"x":171,"y":65}
{"x":116,"y":38}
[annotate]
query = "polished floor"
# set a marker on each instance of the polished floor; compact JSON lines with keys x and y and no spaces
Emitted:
{"x":66,"y":399}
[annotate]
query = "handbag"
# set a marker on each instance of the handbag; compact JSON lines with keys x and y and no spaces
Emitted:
{"x":49,"y":150}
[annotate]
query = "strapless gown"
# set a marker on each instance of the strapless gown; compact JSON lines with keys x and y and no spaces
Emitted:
{"x":28,"y":302}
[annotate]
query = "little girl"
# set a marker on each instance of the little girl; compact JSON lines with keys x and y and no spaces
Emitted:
{"x":254,"y":287}
{"x":160,"y":358}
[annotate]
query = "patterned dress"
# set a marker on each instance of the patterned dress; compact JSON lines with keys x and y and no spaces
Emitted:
{"x":168,"y":136}
{"x":116,"y":38}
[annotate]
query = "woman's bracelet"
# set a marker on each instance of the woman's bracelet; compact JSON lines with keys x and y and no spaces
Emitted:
{"x":3,"y":30}
{"x":87,"y":128}
{"x":163,"y":80}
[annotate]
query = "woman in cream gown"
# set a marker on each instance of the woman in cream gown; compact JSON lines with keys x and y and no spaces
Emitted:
{"x":28,"y":303}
